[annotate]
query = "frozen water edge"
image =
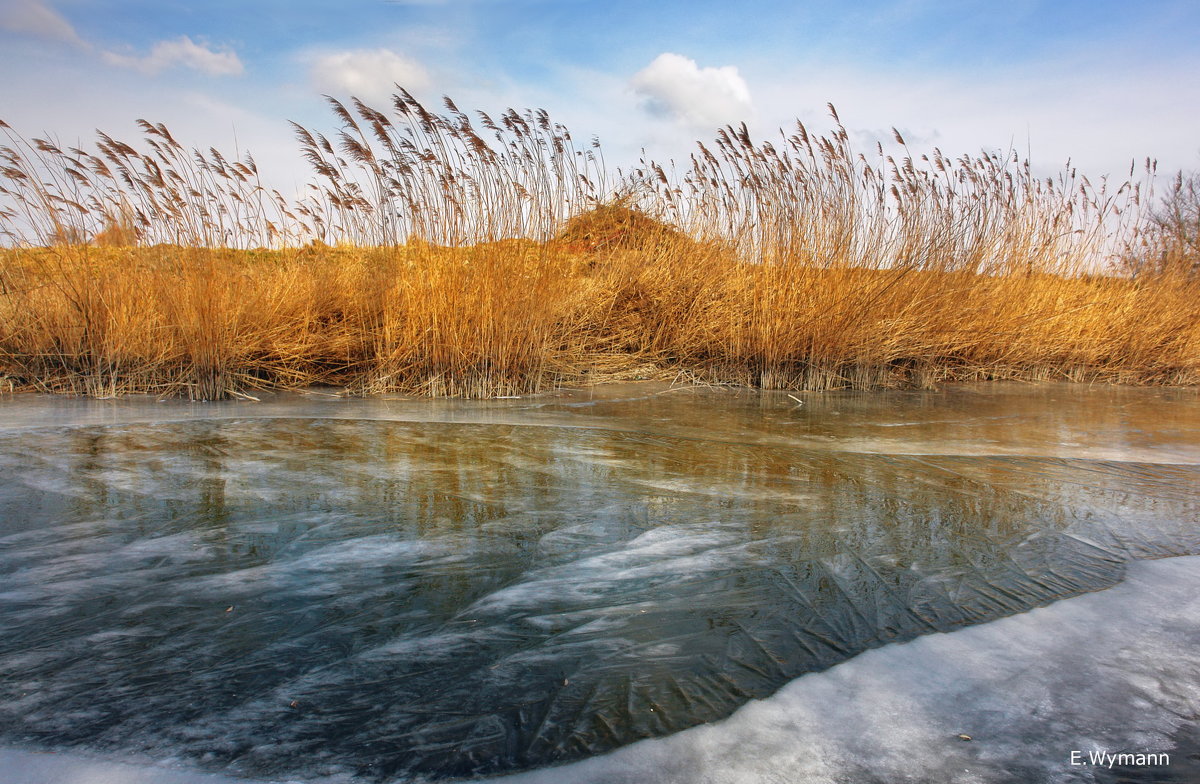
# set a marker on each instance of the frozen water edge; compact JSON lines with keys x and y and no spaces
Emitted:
{"x":1007,"y":419}
{"x":1117,"y":670}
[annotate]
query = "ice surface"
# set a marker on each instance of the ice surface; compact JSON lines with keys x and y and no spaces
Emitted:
{"x":1117,"y":670}
{"x":1114,"y":671}
{"x":375,"y":589}
{"x":21,"y":766}
{"x":1152,"y":425}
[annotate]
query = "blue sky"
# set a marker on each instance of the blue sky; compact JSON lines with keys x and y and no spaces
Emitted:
{"x":1100,"y":82}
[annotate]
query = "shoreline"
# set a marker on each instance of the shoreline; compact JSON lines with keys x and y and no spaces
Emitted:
{"x":517,"y":316}
{"x":667,"y":381}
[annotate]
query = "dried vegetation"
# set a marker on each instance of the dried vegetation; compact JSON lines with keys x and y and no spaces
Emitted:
{"x":440,"y":255}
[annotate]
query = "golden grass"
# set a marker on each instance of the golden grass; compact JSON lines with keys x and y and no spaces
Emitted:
{"x":519,"y":316}
{"x":501,"y":259}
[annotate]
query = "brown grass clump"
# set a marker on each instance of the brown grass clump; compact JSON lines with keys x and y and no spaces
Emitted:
{"x":617,"y":226}
{"x":435,"y":257}
{"x":118,"y":233}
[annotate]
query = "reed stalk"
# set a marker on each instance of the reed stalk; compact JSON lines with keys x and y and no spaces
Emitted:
{"x":437,"y":254}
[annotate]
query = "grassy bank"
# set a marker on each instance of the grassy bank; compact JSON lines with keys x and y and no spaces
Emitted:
{"x":519,"y":316}
{"x":435,"y":256}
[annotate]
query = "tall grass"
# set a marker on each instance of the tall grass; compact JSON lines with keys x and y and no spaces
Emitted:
{"x":439,"y":255}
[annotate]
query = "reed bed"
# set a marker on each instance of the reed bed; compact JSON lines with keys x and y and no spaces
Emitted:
{"x":438,"y":255}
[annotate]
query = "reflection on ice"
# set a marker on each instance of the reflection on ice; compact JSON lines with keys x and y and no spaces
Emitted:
{"x":504,"y":587}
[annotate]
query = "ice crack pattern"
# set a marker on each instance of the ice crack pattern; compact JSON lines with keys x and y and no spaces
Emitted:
{"x":312,"y":596}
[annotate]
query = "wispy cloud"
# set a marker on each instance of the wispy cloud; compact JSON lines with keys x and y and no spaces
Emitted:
{"x":367,"y":73}
{"x":181,"y":52}
{"x":36,"y":18}
{"x":675,"y":87}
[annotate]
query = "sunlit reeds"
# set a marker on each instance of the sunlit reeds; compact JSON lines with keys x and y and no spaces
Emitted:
{"x":438,"y":255}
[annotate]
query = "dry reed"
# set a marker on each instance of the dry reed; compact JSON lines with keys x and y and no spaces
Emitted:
{"x":435,"y":257}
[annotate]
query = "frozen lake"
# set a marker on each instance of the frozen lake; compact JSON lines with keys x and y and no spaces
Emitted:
{"x":313,"y":588}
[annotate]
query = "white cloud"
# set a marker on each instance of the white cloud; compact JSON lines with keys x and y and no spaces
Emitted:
{"x":36,"y":18}
{"x":369,"y":74}
{"x":674,"y":86}
{"x":182,"y":51}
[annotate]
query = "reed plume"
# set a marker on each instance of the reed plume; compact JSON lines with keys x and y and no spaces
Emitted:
{"x":440,"y":254}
